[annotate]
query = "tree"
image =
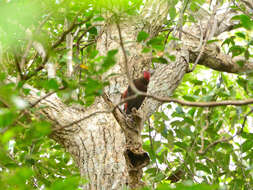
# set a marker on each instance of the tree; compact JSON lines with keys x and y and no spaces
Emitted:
{"x":64,"y":65}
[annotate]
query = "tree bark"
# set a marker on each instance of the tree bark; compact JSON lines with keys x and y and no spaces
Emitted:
{"x":107,"y":147}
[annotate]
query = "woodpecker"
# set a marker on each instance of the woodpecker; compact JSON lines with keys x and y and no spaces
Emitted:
{"x":141,"y":84}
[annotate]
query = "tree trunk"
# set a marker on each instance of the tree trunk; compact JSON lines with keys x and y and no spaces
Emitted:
{"x":107,"y":147}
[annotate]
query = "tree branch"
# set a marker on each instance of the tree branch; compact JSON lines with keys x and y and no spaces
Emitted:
{"x":30,"y":41}
{"x":221,"y":62}
{"x":167,"y":100}
{"x":199,"y":104}
{"x":98,"y":112}
{"x":71,"y":27}
{"x":208,"y":35}
{"x":21,"y":76}
{"x":130,"y":81}
{"x":39,"y":68}
{"x":56,"y":44}
{"x":46,"y":96}
{"x":202,"y":152}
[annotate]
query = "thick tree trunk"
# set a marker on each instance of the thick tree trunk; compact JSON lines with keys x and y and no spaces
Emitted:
{"x":107,"y":147}
{"x":97,"y":143}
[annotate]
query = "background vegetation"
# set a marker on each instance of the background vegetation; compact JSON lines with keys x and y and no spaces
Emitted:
{"x":208,"y":148}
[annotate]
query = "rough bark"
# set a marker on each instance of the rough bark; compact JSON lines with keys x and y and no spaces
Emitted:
{"x":97,"y":146}
{"x":107,"y":147}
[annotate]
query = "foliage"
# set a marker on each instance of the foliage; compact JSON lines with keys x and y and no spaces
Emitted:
{"x":181,"y":134}
{"x":175,"y":138}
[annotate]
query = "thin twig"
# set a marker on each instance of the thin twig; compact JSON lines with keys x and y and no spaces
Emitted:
{"x":201,"y":37}
{"x":167,"y":36}
{"x":26,"y":77}
{"x":83,"y":118}
{"x":82,"y":35}
{"x":248,"y":4}
{"x":27,"y":49}
{"x":71,"y":27}
{"x":181,"y":102}
{"x":180,"y":23}
{"x":242,"y":10}
{"x":98,"y":112}
{"x":21,"y":76}
{"x":88,"y":43}
{"x":151,"y":144}
{"x":4,"y":102}
{"x":39,"y":68}
{"x":30,"y":41}
{"x":202,"y":131}
{"x":223,"y":139}
{"x":207,"y":37}
{"x":130,"y":81}
{"x":30,"y":106}
{"x":189,"y":34}
{"x":56,"y":44}
{"x":46,"y":96}
{"x":199,"y":104}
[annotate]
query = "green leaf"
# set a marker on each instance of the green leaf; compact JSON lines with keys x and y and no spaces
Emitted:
{"x":156,"y":43}
{"x":109,"y":61}
{"x":240,"y":63}
{"x":176,"y":123}
{"x":246,"y":22}
{"x":146,"y":50}
{"x":2,"y":76}
{"x":158,"y":177}
{"x":99,"y":18}
{"x":189,"y":120}
{"x":229,"y":41}
{"x":171,"y":57}
{"x":242,"y":82}
{"x":247,"y":135}
{"x":172,"y":12}
{"x":247,"y":145}
{"x":236,"y":50}
{"x":181,"y":145}
{"x":51,"y":84}
{"x":202,"y":167}
{"x":247,"y":54}
{"x":69,"y":183}
{"x":142,"y":36}
{"x":93,"y":31}
{"x":226,"y":146}
{"x":197,"y":82}
{"x":212,"y":41}
{"x":179,"y":110}
{"x":41,"y":128}
{"x":189,"y":98}
{"x":224,"y":159}
{"x":163,"y":187}
{"x":92,"y":87}
{"x":241,"y":35}
{"x":6,"y":117}
{"x":186,"y":130}
{"x":7,"y":136}
{"x":89,"y":100}
{"x":159,"y":60}
{"x":26,"y":91}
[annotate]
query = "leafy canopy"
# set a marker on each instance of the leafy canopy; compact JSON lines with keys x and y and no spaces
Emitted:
{"x":177,"y":138}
